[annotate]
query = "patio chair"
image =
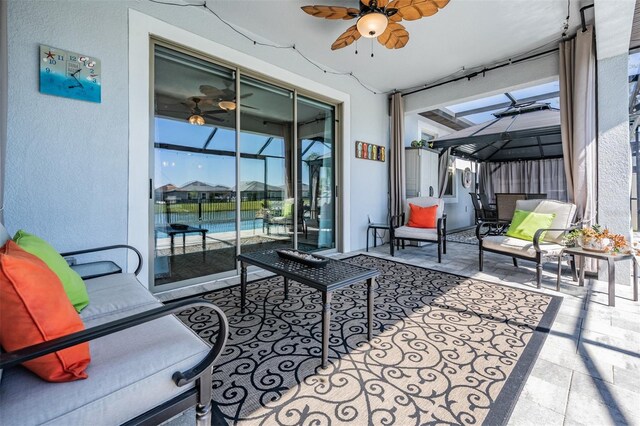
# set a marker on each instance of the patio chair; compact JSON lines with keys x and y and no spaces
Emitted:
{"x":506,"y":205}
{"x":482,"y":210}
{"x":538,"y":250}
{"x":400,"y":232}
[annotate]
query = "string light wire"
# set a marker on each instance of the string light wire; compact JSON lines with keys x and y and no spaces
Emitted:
{"x":271,"y":45}
{"x":469,"y":72}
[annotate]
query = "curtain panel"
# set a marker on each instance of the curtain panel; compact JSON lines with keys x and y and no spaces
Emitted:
{"x":529,"y":176}
{"x":443,"y":170}
{"x":397,"y":177}
{"x":578,"y":118}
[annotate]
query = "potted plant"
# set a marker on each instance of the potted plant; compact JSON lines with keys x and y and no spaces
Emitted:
{"x":597,"y":238}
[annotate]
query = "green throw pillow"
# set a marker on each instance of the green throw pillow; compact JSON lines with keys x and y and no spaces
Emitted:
{"x":287,"y":209}
{"x":71,"y":281}
{"x":525,"y":224}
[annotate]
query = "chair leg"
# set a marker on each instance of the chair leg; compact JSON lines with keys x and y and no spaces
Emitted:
{"x":480,"y":259}
{"x":515,"y":262}
{"x":439,"y":251}
{"x":392,"y":245}
{"x":402,"y":244}
{"x":574,"y":272}
{"x":539,"y":275}
{"x":444,"y":244}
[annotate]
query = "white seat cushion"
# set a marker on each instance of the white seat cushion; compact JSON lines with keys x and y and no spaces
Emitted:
{"x":509,"y":245}
{"x":428,"y":234}
{"x":115,"y":296}
{"x":130,"y":373}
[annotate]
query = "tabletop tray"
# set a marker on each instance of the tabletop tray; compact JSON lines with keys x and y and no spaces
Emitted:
{"x":595,"y":250}
{"x":287,"y":254}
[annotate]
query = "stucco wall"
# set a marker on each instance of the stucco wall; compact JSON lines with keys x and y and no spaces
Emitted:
{"x":67,"y":168}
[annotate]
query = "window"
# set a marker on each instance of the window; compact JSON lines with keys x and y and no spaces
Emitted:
{"x":450,"y":190}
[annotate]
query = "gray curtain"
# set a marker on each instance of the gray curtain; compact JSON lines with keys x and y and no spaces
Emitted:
{"x":578,"y":115}
{"x":443,"y":170}
{"x":3,"y":100}
{"x":530,"y":176}
{"x":397,"y":190}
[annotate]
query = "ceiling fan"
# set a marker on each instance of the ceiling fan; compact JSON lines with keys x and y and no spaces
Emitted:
{"x":225,"y":98}
{"x":378,"y":19}
{"x":196,"y":115}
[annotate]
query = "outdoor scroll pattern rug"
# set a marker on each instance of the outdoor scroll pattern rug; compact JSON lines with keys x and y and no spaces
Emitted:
{"x":446,"y":349}
{"x":466,"y":236}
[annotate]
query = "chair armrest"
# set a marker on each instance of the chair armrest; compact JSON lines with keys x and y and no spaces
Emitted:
{"x":536,"y":236}
{"x":397,"y":220}
{"x":117,"y":246}
{"x":494,"y":228}
{"x":441,"y":225}
{"x":11,"y":359}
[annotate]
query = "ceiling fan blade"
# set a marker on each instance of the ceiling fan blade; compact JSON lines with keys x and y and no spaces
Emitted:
{"x":171,"y":111}
{"x":215,"y":111}
{"x":248,"y":106}
{"x":213,"y":118}
{"x":331,"y":12}
{"x":210,"y":91}
{"x":346,"y":38}
{"x":394,"y":37}
{"x":410,"y":10}
{"x":381,"y":3}
{"x":441,"y":3}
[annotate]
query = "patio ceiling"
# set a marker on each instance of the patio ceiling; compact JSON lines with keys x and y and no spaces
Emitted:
{"x":439,"y":45}
{"x":521,"y":133}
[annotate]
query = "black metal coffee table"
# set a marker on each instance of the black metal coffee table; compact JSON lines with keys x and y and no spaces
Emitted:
{"x":336,"y":274}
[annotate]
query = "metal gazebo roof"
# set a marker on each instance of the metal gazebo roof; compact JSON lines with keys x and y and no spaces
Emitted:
{"x":522,"y":132}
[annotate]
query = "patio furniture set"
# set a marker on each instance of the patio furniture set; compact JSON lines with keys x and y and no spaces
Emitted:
{"x":492,"y":231}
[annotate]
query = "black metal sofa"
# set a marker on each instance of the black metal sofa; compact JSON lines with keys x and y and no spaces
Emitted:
{"x":146,"y":366}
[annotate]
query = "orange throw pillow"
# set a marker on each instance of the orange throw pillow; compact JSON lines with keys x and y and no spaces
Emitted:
{"x":36,"y":309}
{"x":422,"y":217}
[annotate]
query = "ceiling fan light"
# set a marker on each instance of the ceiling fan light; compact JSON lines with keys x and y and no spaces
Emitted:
{"x":196,"y":120}
{"x":227,"y":105}
{"x":372,"y":24}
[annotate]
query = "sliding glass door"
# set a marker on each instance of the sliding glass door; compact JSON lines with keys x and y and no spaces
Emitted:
{"x":239,"y":165}
{"x":316,"y":174}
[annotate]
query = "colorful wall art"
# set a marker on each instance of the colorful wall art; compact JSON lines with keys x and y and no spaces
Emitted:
{"x":369,"y":151}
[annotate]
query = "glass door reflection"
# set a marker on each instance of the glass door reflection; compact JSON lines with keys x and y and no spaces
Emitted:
{"x":266,"y":165}
{"x":195,"y":165}
{"x":316,"y":179}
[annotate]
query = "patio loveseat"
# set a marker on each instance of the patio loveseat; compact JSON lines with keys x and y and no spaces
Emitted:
{"x":545,"y":243}
{"x":146,"y":365}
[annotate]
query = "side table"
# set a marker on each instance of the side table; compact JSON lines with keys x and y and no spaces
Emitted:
{"x":373,"y":227}
{"x":580,"y":253}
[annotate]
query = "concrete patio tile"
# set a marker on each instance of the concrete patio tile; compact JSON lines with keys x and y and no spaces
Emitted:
{"x":565,"y":343}
{"x":629,"y":341}
{"x":529,"y":413}
{"x":552,"y":373}
{"x":582,"y":409}
{"x":626,"y":379}
{"x":546,"y":394}
{"x":621,"y":405}
{"x":626,"y":323}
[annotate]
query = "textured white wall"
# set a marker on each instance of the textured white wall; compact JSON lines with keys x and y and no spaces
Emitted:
{"x":614,"y":152}
{"x":67,"y":160}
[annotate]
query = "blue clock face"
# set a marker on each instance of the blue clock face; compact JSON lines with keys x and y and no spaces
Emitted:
{"x":69,"y":74}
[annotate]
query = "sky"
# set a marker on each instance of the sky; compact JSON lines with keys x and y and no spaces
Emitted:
{"x":179,"y":167}
{"x":553,"y":86}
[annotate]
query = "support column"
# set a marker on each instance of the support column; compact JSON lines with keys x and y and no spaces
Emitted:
{"x":613,"y":31}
